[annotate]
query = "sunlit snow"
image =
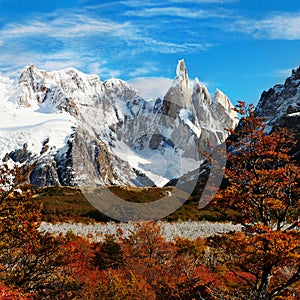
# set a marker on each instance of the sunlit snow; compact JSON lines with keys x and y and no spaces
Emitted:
{"x":20,"y":125}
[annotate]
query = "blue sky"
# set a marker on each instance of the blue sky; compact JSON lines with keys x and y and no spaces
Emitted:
{"x":239,"y":46}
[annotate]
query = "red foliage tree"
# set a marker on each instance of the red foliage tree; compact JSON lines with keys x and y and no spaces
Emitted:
{"x":262,"y":185}
{"x":171,"y":271}
{"x":12,"y":294}
{"x":29,"y":260}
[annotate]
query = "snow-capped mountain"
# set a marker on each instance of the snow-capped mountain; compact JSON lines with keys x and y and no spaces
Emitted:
{"x":81,"y":131}
{"x":280,"y":105}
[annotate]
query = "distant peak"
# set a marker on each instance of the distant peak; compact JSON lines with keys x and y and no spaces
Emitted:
{"x":31,"y":75}
{"x":296,"y":73}
{"x":181,"y":70}
{"x":196,"y":86}
{"x":200,"y":89}
{"x":29,"y":69}
{"x":72,"y":70}
{"x":196,"y":81}
{"x":221,"y":98}
{"x":219,"y":92}
{"x":113,"y":82}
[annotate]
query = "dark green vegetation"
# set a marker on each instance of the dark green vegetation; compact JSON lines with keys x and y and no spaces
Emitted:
{"x":66,"y":204}
{"x":70,"y":204}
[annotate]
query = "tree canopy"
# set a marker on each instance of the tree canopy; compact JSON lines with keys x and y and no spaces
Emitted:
{"x":262,"y":185}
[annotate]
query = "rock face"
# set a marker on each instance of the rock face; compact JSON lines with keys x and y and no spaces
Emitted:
{"x":281,"y":101}
{"x":281,"y":105}
{"x":206,"y":118}
{"x":81,"y":131}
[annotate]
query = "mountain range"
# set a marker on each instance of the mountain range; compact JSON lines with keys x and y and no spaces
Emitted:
{"x":80,"y":131}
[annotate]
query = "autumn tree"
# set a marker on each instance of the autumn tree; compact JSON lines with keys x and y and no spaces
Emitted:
{"x":122,"y":284}
{"x":12,"y":294}
{"x":262,"y":185}
{"x":172,"y":272}
{"x":29,"y":259}
{"x":108,"y":254}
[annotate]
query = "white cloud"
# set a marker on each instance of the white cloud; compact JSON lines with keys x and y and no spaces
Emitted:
{"x":149,"y":3}
{"x":203,"y":1}
{"x":151,"y":87}
{"x":102,"y":71}
{"x":169,"y":11}
{"x":139,"y":3}
{"x":175,"y":11}
{"x":95,"y":68}
{"x":169,"y":47}
{"x":180,"y":12}
{"x":74,"y":26}
{"x":11,"y":64}
{"x":51,"y":64}
{"x":80,"y":39}
{"x":67,"y":26}
{"x":145,"y":69}
{"x":283,"y":26}
{"x":284,"y":72}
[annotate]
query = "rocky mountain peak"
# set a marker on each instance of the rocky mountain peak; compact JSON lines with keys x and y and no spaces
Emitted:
{"x":296,"y":73}
{"x":281,"y":101}
{"x":32,"y":78}
{"x":225,"y":110}
{"x":182,"y":81}
{"x":200,"y":91}
{"x":280,"y":105}
{"x":179,"y":94}
{"x":221,"y":98}
{"x":31,"y":73}
{"x":120,"y":89}
{"x":181,"y":70}
{"x":56,"y":90}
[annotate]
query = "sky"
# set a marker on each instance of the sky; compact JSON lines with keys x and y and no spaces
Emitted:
{"x":242,"y":47}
